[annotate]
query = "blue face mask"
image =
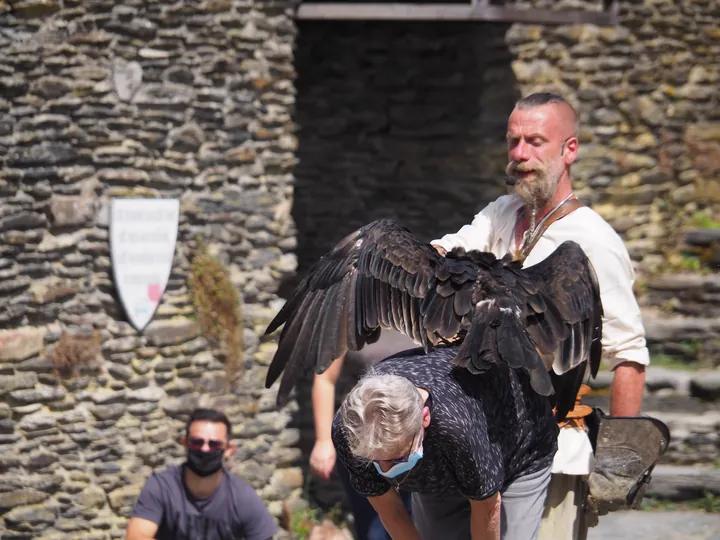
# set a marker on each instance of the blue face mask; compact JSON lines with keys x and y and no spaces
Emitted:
{"x":399,"y":468}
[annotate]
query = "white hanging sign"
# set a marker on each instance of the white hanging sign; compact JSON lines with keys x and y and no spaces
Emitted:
{"x":143,"y":233}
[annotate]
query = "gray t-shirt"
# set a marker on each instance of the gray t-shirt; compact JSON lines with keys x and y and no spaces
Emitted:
{"x":233,"y":511}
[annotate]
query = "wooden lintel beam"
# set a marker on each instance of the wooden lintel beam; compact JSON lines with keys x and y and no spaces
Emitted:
{"x":479,"y":11}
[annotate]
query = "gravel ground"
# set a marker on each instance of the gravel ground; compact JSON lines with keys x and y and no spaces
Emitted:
{"x":657,"y":525}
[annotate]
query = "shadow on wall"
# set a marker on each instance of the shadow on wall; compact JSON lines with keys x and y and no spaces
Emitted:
{"x":397,"y":120}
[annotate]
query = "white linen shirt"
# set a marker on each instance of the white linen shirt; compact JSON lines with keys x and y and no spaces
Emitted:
{"x":493,"y":229}
{"x":623,"y":337}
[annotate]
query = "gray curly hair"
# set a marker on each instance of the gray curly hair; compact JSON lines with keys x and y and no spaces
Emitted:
{"x":381,"y":413}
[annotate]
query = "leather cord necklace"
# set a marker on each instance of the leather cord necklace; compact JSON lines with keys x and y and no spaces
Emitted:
{"x":533,"y":234}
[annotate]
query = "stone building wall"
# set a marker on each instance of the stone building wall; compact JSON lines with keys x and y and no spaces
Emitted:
{"x":189,"y":100}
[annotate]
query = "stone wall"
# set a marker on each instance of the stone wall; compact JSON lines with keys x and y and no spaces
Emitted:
{"x":190,"y":100}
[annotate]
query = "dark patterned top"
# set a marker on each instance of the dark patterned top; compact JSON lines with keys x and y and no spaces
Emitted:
{"x":485,"y":430}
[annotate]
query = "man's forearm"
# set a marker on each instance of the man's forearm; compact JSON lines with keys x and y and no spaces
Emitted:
{"x":323,"y":399}
{"x":628,"y":385}
{"x":485,"y":518}
{"x":394,"y":516}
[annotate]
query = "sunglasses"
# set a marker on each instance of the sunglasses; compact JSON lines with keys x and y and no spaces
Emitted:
{"x":398,"y":460}
{"x":196,"y":443}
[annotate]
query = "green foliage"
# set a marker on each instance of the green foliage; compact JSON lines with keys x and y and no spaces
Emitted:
{"x":217,"y":306}
{"x":690,"y":347}
{"x":704,"y":220}
{"x":303,"y":520}
{"x":691,"y":262}
{"x":709,"y":503}
{"x":671,"y":362}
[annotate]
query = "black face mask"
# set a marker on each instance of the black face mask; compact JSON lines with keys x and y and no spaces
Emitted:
{"x":205,"y":463}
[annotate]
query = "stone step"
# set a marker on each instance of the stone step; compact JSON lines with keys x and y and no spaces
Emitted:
{"x":661,"y":327}
{"x":702,"y":384}
{"x":683,"y":483}
{"x":703,"y":237}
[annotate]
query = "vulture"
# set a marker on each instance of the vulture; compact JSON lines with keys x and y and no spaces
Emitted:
{"x":545,"y":320}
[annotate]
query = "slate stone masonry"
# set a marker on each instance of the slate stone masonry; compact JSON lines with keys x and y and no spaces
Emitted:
{"x":190,"y":100}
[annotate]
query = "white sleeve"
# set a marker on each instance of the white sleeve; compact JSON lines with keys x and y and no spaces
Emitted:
{"x":476,"y":235}
{"x":623,"y":337}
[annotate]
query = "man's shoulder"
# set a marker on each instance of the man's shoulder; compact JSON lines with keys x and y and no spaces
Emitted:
{"x":595,"y":230}
{"x":503,"y":205}
{"x":238,"y":485}
{"x":249,"y":507}
{"x":172,"y":474}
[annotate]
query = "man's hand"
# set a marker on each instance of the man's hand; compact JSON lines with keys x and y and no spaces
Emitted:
{"x":322,"y":459}
{"x":441,"y":250}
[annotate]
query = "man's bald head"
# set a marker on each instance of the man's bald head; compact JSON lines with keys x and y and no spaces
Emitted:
{"x":566,"y":113}
{"x":542,"y":144}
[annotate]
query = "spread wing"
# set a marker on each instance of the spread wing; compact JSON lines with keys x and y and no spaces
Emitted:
{"x":544,"y":318}
{"x":564,"y":317}
{"x":376,"y":277}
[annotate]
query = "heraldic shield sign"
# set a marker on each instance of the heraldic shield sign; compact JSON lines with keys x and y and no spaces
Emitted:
{"x":143,"y":233}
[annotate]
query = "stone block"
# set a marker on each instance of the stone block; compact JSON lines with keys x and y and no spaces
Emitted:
{"x":17,"y":345}
{"x":39,"y":394}
{"x":72,"y":210}
{"x":150,"y":393}
{"x":181,"y":405}
{"x":123,"y":373}
{"x":124,"y":496}
{"x":141,"y":409}
{"x":109,"y":412}
{"x":22,"y":221}
{"x":17,"y":382}
{"x":706,"y":386}
{"x":42,"y":459}
{"x":53,"y":288}
{"x":37,"y":514}
{"x":172,"y":331}
{"x":92,"y":497}
{"x":37,"y":421}
{"x":21,"y":497}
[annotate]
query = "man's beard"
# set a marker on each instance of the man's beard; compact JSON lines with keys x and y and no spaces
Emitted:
{"x":537,"y":191}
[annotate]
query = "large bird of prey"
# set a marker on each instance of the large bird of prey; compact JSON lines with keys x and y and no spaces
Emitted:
{"x":545,"y":319}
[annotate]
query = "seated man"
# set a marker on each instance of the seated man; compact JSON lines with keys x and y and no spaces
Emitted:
{"x":474,"y":450}
{"x":200,"y":499}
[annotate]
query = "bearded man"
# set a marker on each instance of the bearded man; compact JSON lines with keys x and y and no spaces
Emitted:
{"x":539,"y":214}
